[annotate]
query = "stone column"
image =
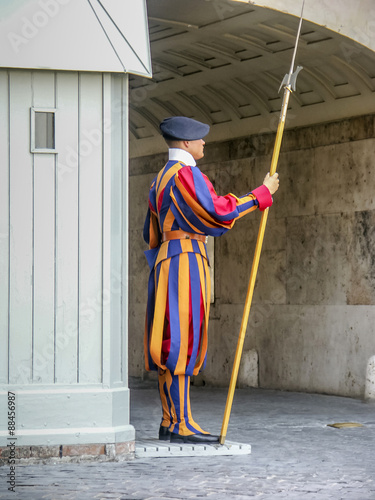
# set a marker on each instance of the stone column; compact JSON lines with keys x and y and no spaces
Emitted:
{"x":370,"y":379}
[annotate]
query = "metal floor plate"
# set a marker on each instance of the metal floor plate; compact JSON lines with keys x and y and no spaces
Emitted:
{"x":152,"y":448}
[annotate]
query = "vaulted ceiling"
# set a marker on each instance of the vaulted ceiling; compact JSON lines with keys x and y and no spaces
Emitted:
{"x":222,"y":62}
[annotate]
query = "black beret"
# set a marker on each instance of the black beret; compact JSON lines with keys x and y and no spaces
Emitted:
{"x":183,"y":128}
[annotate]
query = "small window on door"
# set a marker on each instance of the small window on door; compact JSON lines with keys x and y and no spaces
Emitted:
{"x":43,"y":130}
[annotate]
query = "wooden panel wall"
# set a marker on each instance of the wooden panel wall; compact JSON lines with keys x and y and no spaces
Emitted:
{"x":21,"y":209}
{"x":90,"y":227}
{"x":52,"y":268}
{"x":43,"y":273}
{"x":67,"y":237}
{"x":4,"y":225}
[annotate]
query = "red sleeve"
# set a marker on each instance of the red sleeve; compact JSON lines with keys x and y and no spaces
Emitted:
{"x":263,"y":195}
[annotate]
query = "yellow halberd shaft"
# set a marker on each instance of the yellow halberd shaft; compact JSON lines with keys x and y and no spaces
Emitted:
{"x":254,"y":270}
{"x":289,"y":81}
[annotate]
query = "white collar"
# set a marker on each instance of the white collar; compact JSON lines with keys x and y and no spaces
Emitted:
{"x":182,"y":156}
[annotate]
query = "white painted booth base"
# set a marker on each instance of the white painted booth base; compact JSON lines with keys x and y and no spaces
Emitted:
{"x":52,"y":415}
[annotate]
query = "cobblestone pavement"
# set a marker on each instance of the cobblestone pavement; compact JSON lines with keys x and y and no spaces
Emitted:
{"x":295,"y":455}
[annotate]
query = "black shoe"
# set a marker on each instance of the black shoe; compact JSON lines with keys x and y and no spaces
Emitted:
{"x":164,"y":433}
{"x":194,"y":438}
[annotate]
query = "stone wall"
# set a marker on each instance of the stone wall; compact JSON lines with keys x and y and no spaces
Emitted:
{"x":311,"y":325}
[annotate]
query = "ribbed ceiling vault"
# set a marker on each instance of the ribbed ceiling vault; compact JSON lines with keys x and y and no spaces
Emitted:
{"x":222,"y":62}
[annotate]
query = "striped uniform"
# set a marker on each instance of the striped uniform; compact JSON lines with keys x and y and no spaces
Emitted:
{"x":175,"y":342}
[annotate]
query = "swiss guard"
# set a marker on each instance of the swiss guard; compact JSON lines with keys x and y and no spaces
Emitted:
{"x":183,"y":210}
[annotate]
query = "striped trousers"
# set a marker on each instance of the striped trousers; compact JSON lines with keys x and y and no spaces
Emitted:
{"x":175,"y":400}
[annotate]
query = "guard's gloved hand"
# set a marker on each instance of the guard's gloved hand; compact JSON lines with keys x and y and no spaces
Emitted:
{"x":272,"y":182}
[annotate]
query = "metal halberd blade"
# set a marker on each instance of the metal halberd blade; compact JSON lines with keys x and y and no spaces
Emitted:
{"x":291,"y":80}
